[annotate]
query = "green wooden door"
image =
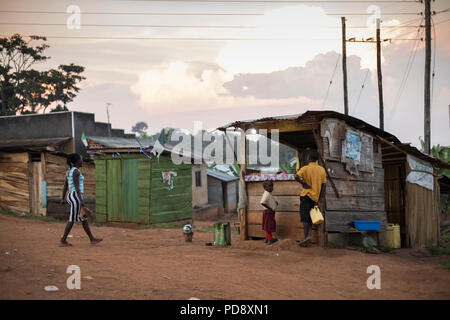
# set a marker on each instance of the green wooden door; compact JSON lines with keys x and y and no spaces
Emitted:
{"x":114,"y":190}
{"x":130,"y":190}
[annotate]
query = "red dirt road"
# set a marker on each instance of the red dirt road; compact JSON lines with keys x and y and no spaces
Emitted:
{"x":158,"y":264}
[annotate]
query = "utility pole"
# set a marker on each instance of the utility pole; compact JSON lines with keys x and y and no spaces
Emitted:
{"x":427,"y":75}
{"x":344,"y":65}
{"x":380,"y":82}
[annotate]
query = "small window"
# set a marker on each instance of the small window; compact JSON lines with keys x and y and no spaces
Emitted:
{"x":198,"y":178}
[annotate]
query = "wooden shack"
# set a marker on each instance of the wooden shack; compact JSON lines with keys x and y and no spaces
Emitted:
{"x":412,"y":193}
{"x":32,"y":176}
{"x":351,"y":151}
{"x":132,"y":185}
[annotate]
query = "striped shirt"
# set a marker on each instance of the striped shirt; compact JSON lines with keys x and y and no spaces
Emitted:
{"x":69,"y":175}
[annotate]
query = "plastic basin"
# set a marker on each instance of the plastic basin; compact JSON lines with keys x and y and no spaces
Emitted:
{"x":365,"y":225}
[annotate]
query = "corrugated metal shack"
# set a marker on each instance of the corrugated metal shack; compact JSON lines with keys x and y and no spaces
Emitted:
{"x":222,"y":189}
{"x":132,"y":187}
{"x":355,"y":155}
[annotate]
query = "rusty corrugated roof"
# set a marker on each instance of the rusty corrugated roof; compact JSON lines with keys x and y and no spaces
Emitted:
{"x":355,"y":122}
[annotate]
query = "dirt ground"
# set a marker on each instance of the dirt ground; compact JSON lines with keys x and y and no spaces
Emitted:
{"x":158,"y":264}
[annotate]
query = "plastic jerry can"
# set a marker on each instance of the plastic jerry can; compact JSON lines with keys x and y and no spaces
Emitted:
{"x":393,"y":236}
{"x":222,"y":234}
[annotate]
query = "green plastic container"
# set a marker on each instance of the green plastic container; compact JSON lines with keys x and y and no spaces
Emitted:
{"x":222,"y":234}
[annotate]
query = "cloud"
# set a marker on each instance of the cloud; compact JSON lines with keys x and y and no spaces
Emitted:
{"x":179,"y":85}
{"x":309,"y":81}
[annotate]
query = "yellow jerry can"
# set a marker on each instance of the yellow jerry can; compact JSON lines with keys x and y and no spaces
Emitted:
{"x":316,"y":216}
{"x":393,"y":236}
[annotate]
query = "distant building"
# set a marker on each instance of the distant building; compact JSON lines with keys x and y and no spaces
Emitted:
{"x":33,"y":150}
{"x":62,"y":131}
{"x":222,"y":190}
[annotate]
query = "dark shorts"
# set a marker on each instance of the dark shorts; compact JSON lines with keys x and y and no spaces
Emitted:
{"x":306,"y":204}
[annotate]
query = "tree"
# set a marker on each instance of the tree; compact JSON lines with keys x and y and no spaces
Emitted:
{"x":140,"y":128}
{"x":438,"y":152}
{"x":26,"y":90}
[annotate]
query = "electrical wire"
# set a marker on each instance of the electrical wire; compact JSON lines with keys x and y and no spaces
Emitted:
{"x":129,"y":25}
{"x":282,"y":1}
{"x":139,"y":13}
{"x":184,"y":38}
{"x":195,"y":14}
{"x":408,"y":68}
{"x":362,"y":87}
{"x":331,"y":81}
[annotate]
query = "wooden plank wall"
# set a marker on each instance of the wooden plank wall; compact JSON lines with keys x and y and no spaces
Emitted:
{"x":170,"y":205}
{"x":287,"y":217}
{"x":361,"y":197}
{"x":144,"y":189}
{"x":100,"y":192}
{"x":55,"y":175}
{"x":422,"y":214}
{"x":14,"y":182}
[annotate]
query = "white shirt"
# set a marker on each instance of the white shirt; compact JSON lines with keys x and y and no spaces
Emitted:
{"x":268,"y":200}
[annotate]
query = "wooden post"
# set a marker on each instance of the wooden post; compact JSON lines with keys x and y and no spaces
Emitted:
{"x":380,"y":82}
{"x":344,"y":64}
{"x":427,"y":76}
{"x":243,"y":211}
{"x":107,"y":114}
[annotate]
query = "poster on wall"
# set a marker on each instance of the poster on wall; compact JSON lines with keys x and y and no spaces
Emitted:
{"x":352,"y":145}
{"x":421,"y":174}
{"x":168,"y":178}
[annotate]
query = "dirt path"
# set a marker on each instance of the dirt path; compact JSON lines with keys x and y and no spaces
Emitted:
{"x":158,"y":264}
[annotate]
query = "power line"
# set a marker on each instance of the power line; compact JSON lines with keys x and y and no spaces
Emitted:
{"x":124,"y":25}
{"x":331,"y":81}
{"x":370,"y":14}
{"x":411,"y":58}
{"x":282,"y":1}
{"x":197,"y":38}
{"x":195,"y":14}
{"x":183,"y":38}
{"x":178,"y":26}
{"x":139,"y":13}
{"x":362,"y":87}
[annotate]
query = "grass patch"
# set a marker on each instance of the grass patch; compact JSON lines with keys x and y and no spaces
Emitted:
{"x":445,"y":238}
{"x":386,"y":249}
{"x":8,"y":212}
{"x":336,"y":244}
{"x":443,"y":249}
{"x":438,"y":251}
{"x":446,"y":264}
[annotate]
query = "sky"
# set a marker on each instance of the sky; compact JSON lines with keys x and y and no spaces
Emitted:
{"x":175,"y":81}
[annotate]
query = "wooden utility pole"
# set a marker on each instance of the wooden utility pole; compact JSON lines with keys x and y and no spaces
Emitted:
{"x":344,"y":65}
{"x":243,"y":232}
{"x":427,"y":75}
{"x":107,"y":114}
{"x":380,"y":82}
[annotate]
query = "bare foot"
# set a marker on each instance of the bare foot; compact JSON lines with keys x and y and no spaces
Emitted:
{"x":96,"y":240}
{"x":64,"y":244}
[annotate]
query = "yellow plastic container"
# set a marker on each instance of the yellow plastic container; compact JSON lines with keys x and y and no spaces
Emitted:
{"x":316,"y":216}
{"x":393,"y":236}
